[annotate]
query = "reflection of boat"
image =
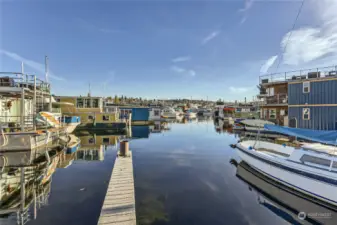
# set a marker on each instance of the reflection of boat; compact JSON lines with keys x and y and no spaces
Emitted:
{"x":310,"y":172}
{"x":73,"y":144}
{"x":284,"y":201}
{"x":30,"y":183}
{"x":205,"y":112}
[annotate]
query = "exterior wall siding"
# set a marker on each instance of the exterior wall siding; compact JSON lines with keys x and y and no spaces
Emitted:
{"x":139,"y":114}
{"x":321,"y":92}
{"x":321,"y":117}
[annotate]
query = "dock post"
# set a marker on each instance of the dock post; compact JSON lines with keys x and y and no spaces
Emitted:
{"x":22,"y":189}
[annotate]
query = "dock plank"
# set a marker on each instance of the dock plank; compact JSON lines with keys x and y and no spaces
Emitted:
{"x":119,"y":204}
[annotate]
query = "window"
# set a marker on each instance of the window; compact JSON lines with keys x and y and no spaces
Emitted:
{"x":87,"y":103}
{"x":306,"y":114}
{"x":79,"y":103}
{"x":91,"y":141}
{"x":272,"y":114}
{"x":95,"y":103}
{"x":306,"y":87}
{"x":105,"y":118}
{"x":156,"y":112}
{"x":90,"y":117}
{"x":318,"y":161}
{"x":106,"y":140}
{"x":270,"y":91}
{"x":282,"y":112}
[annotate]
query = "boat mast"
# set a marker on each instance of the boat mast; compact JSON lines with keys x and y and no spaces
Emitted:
{"x":46,"y":68}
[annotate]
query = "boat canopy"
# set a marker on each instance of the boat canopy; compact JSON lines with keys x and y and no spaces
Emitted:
{"x":325,"y":137}
{"x":255,"y":122}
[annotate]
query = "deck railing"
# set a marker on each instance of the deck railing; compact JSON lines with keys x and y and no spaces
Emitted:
{"x":330,"y":71}
{"x":15,"y":79}
{"x":281,"y":98}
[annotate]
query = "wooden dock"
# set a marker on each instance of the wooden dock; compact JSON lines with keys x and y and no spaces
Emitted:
{"x":119,"y":203}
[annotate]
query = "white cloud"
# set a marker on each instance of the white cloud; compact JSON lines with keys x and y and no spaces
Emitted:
{"x":32,"y":64}
{"x":183,"y":71}
{"x":192,"y":73}
{"x":247,"y":6}
{"x":244,"y":10}
{"x":210,"y":37}
{"x":265,"y":67}
{"x":240,"y":90}
{"x":181,"y":59}
{"x":177,"y":69}
{"x":307,"y":44}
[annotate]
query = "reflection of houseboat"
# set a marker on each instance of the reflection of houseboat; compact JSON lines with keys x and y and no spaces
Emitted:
{"x":22,"y":186}
{"x":90,"y":110}
{"x":93,"y":145}
{"x":286,"y":202}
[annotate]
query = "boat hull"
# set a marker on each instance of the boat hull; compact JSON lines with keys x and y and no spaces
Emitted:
{"x":296,"y":178}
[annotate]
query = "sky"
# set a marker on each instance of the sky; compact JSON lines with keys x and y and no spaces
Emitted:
{"x":165,"y":48}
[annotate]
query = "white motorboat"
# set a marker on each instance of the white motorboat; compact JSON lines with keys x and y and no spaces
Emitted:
{"x":169,"y":113}
{"x":311,"y":172}
{"x":190,"y":114}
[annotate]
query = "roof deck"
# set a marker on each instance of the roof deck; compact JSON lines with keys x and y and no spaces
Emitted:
{"x":297,"y":75}
{"x":13,"y":82}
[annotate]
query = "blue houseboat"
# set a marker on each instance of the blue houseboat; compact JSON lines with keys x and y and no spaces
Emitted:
{"x":139,"y":116}
{"x":312,"y":102}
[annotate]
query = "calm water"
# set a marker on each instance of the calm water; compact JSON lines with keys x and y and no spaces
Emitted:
{"x":182,"y":176}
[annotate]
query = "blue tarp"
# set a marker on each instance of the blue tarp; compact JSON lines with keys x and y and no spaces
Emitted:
{"x":325,"y":137}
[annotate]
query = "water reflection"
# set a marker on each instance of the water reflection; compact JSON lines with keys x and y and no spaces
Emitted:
{"x":285,"y":202}
{"x":25,"y":183}
{"x":221,"y":126}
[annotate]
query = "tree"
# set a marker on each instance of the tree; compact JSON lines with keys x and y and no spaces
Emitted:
{"x":116,"y":101}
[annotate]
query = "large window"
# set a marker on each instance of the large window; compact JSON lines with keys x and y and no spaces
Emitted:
{"x":95,"y":103}
{"x":272,"y":114}
{"x":270,"y":91}
{"x":79,"y":103}
{"x":306,"y":87}
{"x":306,"y":114}
{"x":87,"y":103}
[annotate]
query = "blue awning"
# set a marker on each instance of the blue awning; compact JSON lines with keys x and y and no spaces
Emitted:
{"x":325,"y":137}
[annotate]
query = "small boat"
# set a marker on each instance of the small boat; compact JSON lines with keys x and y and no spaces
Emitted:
{"x":190,"y":114}
{"x":310,"y":172}
{"x":205,"y":112}
{"x":283,"y":201}
{"x":169,"y":113}
{"x":254,"y":125}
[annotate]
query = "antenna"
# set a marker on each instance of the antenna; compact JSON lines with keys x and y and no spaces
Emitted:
{"x":46,"y":68}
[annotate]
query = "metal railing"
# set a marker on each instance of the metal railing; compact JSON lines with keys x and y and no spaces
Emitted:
{"x":15,"y":79}
{"x":330,"y":71}
{"x":277,"y":99}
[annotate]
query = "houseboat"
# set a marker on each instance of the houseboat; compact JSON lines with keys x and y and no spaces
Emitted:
{"x":139,"y":115}
{"x":91,"y":113}
{"x":154,"y":114}
{"x":22,"y":98}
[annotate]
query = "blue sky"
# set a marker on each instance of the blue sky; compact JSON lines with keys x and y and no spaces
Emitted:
{"x":165,"y":49}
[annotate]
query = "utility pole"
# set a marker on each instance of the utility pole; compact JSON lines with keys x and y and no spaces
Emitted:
{"x":46,"y":68}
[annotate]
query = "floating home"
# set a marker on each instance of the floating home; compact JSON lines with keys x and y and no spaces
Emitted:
{"x":22,"y":98}
{"x":91,"y":111}
{"x":308,"y":98}
{"x":139,"y":115}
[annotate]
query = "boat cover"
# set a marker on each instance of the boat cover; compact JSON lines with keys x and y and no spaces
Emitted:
{"x":255,"y":122}
{"x":326,"y":137}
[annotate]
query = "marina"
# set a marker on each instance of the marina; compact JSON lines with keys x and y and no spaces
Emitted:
{"x":168,"y":113}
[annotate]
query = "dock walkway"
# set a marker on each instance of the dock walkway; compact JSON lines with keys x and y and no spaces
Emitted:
{"x":119,"y":203}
